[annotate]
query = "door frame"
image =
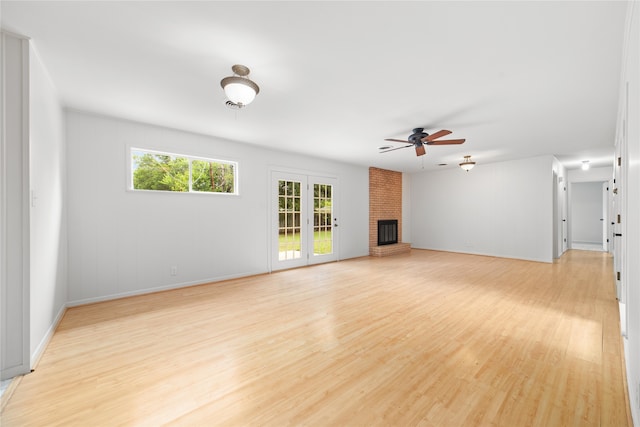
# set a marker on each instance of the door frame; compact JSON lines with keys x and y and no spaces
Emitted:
{"x":272,"y":218}
{"x":15,"y":208}
{"x":603,"y":211}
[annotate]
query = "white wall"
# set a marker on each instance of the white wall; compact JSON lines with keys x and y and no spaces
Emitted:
{"x":592,"y":175}
{"x":629,"y":134}
{"x":501,"y":209}
{"x":48,"y":255}
{"x":124,"y":242}
{"x":586,"y":212}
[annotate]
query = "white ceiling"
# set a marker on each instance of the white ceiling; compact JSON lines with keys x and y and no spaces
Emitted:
{"x":516,"y":79}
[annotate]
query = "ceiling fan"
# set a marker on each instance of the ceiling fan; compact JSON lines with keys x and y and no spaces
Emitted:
{"x":419,"y":138}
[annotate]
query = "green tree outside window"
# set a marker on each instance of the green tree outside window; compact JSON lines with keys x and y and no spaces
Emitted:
{"x":165,"y":172}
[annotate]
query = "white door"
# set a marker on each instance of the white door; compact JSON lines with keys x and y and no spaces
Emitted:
{"x":323,"y":223}
{"x":304,"y":220}
{"x":605,"y":216}
{"x":565,"y":234}
{"x":618,"y":243}
{"x":559,"y":223}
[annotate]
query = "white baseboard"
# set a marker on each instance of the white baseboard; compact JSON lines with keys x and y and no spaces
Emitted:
{"x":489,"y":254}
{"x":37,"y":354}
{"x":110,"y":297}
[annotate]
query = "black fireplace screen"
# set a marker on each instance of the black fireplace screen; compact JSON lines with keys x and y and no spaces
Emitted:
{"x":387,"y":231}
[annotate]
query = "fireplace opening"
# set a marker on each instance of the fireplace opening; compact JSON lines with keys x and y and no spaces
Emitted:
{"x":387,"y":231}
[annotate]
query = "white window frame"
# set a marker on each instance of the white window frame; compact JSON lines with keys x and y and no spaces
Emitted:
{"x":190,"y":158}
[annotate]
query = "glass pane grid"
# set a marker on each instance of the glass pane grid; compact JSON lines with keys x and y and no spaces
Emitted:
{"x":289,"y":238}
{"x":322,"y":214}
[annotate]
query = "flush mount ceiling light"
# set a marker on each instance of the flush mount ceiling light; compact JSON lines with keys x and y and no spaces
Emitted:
{"x":467,"y":164}
{"x":585,"y":165}
{"x":239,"y":89}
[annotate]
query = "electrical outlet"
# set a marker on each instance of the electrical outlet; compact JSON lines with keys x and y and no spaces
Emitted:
{"x":174,"y":270}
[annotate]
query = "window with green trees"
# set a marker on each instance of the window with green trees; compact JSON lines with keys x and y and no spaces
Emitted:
{"x":157,"y":171}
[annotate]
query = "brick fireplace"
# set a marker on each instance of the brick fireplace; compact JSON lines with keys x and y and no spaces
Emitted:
{"x":385,"y":203}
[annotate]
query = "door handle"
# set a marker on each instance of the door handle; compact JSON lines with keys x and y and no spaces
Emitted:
{"x":618,"y":234}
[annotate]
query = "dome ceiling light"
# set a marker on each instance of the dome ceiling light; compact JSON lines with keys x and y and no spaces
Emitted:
{"x":240,"y":90}
{"x":467,"y":164}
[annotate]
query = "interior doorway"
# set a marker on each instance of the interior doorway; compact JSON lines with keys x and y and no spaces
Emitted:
{"x":589,"y":212}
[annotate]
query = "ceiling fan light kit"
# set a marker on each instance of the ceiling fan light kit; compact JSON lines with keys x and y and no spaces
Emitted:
{"x":240,"y":90}
{"x":467,"y":164}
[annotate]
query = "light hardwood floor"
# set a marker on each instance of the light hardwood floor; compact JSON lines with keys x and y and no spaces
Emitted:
{"x":428,"y":338}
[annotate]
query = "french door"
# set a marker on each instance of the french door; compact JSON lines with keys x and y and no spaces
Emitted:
{"x":304,"y":220}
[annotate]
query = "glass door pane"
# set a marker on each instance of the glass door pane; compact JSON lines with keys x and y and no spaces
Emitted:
{"x":289,"y":225}
{"x":289,"y":236}
{"x":322,"y":219}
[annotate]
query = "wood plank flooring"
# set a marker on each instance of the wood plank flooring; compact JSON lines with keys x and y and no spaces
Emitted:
{"x":428,"y":338}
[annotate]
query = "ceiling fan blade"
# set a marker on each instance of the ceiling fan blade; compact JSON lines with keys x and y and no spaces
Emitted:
{"x":398,"y":140}
{"x":446,"y":142}
{"x":436,"y":135}
{"x":420,"y":151}
{"x":398,"y":148}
